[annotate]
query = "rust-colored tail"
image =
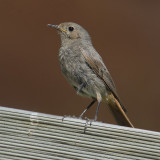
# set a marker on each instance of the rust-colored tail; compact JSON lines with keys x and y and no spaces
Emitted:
{"x":117,"y":111}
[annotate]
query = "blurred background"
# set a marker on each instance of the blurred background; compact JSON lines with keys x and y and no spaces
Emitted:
{"x":125,"y":33}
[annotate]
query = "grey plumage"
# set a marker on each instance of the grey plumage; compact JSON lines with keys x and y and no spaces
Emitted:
{"x":83,"y":67}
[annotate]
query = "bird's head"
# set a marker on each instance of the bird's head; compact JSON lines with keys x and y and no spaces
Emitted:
{"x":71,"y":32}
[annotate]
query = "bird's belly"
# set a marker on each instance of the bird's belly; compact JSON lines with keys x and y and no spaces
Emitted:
{"x":92,"y":83}
{"x":78,"y":73}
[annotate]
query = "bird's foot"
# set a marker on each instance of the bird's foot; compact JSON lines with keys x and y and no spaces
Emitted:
{"x":64,"y":117}
{"x":88,"y":122}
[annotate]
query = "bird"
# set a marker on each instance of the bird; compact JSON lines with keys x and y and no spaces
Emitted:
{"x":85,"y":70}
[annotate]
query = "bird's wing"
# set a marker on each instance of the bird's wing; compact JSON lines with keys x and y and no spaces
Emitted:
{"x":100,"y":70}
{"x":112,"y":100}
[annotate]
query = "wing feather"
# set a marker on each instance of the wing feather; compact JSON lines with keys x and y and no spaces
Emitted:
{"x":101,"y":71}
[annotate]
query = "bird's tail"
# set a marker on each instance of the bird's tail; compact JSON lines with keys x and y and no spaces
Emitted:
{"x":117,"y":111}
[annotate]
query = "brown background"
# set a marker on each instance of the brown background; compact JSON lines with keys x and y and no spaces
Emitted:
{"x":125,"y":33}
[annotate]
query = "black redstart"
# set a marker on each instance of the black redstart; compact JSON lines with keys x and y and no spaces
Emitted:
{"x":83,"y":67}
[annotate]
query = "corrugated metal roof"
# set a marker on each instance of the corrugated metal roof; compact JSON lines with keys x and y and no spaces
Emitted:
{"x":26,"y":135}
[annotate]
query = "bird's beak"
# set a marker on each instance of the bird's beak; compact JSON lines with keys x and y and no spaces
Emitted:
{"x":57,"y":27}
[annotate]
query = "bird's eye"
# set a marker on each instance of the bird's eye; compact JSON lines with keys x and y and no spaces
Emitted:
{"x":70,"y":29}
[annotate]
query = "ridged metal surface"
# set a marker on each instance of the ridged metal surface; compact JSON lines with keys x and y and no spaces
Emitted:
{"x":26,"y":135}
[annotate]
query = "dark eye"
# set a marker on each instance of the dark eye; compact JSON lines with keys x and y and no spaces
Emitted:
{"x":70,"y":29}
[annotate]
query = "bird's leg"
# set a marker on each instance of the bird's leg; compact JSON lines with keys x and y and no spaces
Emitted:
{"x":88,"y":107}
{"x":96,"y":115}
{"x":97,"y":110}
{"x":81,"y":87}
{"x":99,"y":99}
